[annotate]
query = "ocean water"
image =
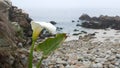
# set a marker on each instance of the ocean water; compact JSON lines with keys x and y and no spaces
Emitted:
{"x":64,"y":17}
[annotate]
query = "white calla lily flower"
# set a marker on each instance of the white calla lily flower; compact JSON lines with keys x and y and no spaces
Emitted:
{"x":36,"y":29}
{"x":38,"y":26}
{"x":50,"y":27}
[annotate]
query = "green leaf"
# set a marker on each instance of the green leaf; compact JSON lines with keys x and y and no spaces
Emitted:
{"x":50,"y":44}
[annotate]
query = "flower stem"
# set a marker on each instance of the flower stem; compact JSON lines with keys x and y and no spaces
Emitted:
{"x":40,"y":62}
{"x":31,"y":54}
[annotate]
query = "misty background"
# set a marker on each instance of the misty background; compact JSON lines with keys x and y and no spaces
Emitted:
{"x":64,"y":11}
{"x":46,"y":10}
{"x":57,"y":4}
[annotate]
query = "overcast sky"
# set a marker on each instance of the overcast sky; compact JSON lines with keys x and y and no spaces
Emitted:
{"x":67,"y":3}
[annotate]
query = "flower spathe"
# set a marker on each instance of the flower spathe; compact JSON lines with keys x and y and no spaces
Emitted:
{"x":36,"y":30}
{"x":51,"y":28}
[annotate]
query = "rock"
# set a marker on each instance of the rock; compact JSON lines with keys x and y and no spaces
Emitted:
{"x":75,"y":34}
{"x":104,"y":33}
{"x":111,"y":66}
{"x":20,"y":44}
{"x":59,"y":61}
{"x":78,"y":21}
{"x":68,"y":66}
{"x":59,"y":28}
{"x":97,"y":65}
{"x":101,"y":22}
{"x":107,"y":56}
{"x":118,"y":56}
{"x":94,"y":65}
{"x":84,"y":32}
{"x":78,"y":24}
{"x":111,"y":58}
{"x":85,"y":17}
{"x":24,"y":59}
{"x":100,"y":60}
{"x":11,"y":60}
{"x":5,"y":5}
{"x":116,"y":63}
{"x":108,"y":52}
{"x":22,"y":18}
{"x":73,"y":21}
{"x":76,"y":30}
{"x":53,"y":22}
{"x":13,"y":25}
{"x":6,"y":32}
{"x":59,"y":66}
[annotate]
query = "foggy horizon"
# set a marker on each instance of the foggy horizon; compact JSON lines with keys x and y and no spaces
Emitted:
{"x":66,"y":4}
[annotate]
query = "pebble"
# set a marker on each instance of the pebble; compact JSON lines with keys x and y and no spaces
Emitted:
{"x":20,"y":45}
{"x":117,"y":63}
{"x":118,"y":56}
{"x":109,"y":52}
{"x":112,"y":58}
{"x":24,"y":59}
{"x":94,"y":65}
{"x":11,"y":59}
{"x":100,"y":60}
{"x":59,"y":66}
{"x":93,"y":54}
{"x":99,"y":65}
{"x":111,"y":66}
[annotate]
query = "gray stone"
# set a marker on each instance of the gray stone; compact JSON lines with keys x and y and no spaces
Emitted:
{"x":109,"y":52}
{"x":6,"y":32}
{"x":99,"y":65}
{"x":117,"y":63}
{"x":24,"y":59}
{"x":111,"y":66}
{"x":20,"y":44}
{"x":100,"y":60}
{"x":68,"y":66}
{"x":118,"y":56}
{"x":94,"y":65}
{"x":11,"y":60}
{"x":5,"y":4}
{"x":111,"y":58}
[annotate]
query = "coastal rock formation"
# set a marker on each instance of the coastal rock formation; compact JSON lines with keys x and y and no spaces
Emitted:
{"x":101,"y":22}
{"x":14,"y":30}
{"x":6,"y":32}
{"x":85,"y":17}
{"x":5,"y":4}
{"x":23,"y":19}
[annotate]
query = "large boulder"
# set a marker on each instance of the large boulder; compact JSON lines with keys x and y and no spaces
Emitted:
{"x":85,"y":17}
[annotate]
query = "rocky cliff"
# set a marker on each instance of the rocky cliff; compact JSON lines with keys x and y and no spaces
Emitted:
{"x":15,"y":31}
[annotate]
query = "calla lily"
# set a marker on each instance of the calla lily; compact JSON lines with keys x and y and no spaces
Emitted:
{"x":53,"y":43}
{"x":36,"y":29}
{"x":51,"y":28}
{"x":38,"y":26}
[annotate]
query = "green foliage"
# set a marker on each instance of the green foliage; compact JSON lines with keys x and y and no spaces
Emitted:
{"x":47,"y":47}
{"x":50,"y":44}
{"x":31,"y":54}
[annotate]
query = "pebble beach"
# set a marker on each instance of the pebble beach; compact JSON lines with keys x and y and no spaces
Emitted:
{"x":101,"y":50}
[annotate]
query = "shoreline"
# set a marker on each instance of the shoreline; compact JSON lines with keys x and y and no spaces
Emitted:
{"x":98,"y":51}
{"x":100,"y":35}
{"x":92,"y":48}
